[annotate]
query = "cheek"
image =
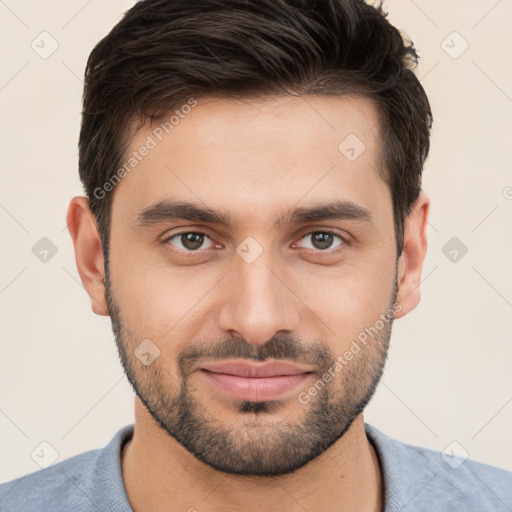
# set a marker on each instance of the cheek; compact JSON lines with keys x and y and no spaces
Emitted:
{"x":164,"y":303}
{"x":352,"y":298}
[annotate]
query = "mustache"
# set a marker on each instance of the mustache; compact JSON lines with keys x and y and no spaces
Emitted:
{"x":281,"y":346}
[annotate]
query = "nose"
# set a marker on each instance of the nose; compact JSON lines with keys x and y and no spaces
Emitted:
{"x":258,"y":302}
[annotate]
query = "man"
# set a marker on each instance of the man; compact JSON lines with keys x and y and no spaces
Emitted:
{"x":254,"y":223}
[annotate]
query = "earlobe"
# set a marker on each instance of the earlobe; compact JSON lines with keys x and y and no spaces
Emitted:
{"x":88,"y":251}
{"x":410,"y":264}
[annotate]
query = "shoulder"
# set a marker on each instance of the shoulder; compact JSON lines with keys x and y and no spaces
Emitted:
{"x":50,"y":488}
{"x":418,"y":478}
{"x":79,"y":483}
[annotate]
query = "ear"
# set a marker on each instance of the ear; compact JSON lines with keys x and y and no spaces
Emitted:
{"x":88,"y":253}
{"x":411,"y":260}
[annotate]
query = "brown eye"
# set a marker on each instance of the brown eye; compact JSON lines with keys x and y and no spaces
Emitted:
{"x":188,"y":241}
{"x":323,"y":240}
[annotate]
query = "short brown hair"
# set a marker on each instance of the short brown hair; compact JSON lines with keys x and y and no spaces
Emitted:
{"x":163,"y":52}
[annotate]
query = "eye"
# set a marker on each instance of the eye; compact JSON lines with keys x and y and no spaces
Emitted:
{"x":193,"y":241}
{"x":189,"y":241}
{"x":323,"y":240}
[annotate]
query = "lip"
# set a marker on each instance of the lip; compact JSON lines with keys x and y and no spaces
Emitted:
{"x":253,"y":381}
{"x":256,"y":369}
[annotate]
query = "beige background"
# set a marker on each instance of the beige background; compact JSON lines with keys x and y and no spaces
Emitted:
{"x":449,"y":373}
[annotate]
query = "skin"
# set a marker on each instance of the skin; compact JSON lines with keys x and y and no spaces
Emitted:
{"x":256,"y":159}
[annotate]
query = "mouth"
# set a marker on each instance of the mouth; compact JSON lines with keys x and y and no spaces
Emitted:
{"x":253,"y":381}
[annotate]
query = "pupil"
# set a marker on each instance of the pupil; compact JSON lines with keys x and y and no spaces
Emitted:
{"x":192,"y":240}
{"x":324,"y":240}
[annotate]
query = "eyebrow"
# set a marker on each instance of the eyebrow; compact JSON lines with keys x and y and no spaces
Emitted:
{"x":167,"y":210}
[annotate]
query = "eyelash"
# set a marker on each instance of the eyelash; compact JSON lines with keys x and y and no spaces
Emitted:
{"x":324,"y":231}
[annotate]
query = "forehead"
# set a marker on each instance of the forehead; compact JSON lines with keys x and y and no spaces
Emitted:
{"x":256,"y":156}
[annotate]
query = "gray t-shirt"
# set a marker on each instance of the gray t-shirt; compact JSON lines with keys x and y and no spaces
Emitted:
{"x":415,"y":479}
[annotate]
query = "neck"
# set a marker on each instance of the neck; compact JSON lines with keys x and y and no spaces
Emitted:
{"x":159,"y":474}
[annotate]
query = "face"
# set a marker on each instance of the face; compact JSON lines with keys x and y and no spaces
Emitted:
{"x":255,"y":330}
